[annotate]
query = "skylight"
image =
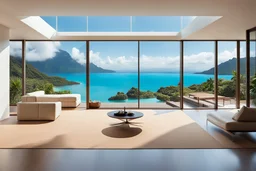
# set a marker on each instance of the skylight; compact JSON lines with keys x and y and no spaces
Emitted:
{"x":73,"y":27}
{"x":118,"y":23}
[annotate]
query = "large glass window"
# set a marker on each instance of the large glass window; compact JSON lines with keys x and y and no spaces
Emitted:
{"x":199,"y":74}
{"x":159,"y":74}
{"x":252,"y":68}
{"x":56,"y":67}
{"x":242,"y":73}
{"x":114,"y":73}
{"x":227,"y":74}
{"x":15,"y":72}
{"x":60,"y":68}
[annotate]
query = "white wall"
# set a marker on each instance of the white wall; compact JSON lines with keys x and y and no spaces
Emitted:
{"x":4,"y":72}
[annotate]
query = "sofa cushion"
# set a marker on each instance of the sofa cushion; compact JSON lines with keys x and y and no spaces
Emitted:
{"x":28,"y":98}
{"x":46,"y":98}
{"x":60,"y":97}
{"x":245,"y":114}
{"x":36,"y":93}
{"x":67,"y":100}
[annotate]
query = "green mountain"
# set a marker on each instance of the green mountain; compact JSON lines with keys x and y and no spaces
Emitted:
{"x":227,"y":67}
{"x":33,"y":73}
{"x":64,"y":63}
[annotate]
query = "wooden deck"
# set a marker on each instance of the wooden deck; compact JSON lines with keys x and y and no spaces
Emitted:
{"x":207,"y":96}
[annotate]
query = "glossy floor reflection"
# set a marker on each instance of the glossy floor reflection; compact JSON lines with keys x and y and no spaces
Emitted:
{"x":111,"y":160}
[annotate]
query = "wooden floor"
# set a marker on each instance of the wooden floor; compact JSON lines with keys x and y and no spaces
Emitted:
{"x":154,"y":159}
{"x":127,"y":160}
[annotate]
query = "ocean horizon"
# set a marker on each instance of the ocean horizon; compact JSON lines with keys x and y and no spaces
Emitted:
{"x":105,"y":85}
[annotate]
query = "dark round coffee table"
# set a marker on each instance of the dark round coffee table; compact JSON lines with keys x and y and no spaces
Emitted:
{"x":126,"y":118}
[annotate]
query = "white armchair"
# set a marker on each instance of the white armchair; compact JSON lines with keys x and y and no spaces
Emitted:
{"x":38,"y":110}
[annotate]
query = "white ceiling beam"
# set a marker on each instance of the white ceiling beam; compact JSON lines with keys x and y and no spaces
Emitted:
{"x":197,"y":24}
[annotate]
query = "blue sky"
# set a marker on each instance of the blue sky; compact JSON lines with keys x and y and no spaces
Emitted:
{"x":117,"y":23}
{"x":154,"y":55}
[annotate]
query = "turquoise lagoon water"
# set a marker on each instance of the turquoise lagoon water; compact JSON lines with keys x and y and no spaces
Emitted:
{"x":105,"y":85}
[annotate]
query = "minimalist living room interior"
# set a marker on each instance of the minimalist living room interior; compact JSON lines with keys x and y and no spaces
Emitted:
{"x":107,"y":83}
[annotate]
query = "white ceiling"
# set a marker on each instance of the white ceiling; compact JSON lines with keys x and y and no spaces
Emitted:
{"x":238,"y":15}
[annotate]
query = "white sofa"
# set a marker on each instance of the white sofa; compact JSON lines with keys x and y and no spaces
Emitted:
{"x":38,"y":111}
{"x":67,"y":100}
{"x":226,"y":121}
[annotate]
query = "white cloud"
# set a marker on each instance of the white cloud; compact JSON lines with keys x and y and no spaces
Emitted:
{"x":78,"y":56}
{"x":192,"y":63}
{"x":15,"y":49}
{"x":35,"y":51}
{"x":226,"y":55}
{"x":40,"y":51}
{"x":121,"y":63}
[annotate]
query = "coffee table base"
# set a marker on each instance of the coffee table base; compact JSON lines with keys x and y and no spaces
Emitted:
{"x":126,"y":122}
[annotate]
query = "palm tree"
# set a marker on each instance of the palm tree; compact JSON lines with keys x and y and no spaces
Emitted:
{"x":48,"y":88}
{"x":242,"y":77}
{"x":209,"y":85}
{"x":15,"y":90}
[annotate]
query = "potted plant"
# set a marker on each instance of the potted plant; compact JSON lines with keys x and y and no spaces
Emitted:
{"x":94,"y":104}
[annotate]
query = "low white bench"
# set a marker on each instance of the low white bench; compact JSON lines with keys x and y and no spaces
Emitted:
{"x":38,"y":111}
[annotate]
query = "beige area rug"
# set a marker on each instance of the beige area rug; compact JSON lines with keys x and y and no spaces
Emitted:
{"x":94,"y":129}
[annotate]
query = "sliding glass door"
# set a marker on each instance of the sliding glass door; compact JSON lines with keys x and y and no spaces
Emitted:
{"x":199,"y":69}
{"x":227,"y":74}
{"x":251,"y":78}
{"x":56,"y":67}
{"x":114,"y":73}
{"x":159,"y":74}
{"x":15,"y":72}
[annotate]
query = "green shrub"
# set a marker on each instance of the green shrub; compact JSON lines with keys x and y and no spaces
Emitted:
{"x":62,"y":92}
{"x":15,"y":90}
{"x":119,"y":96}
{"x":168,"y":90}
{"x":147,"y":95}
{"x":133,"y":94}
{"x":162,"y":97}
{"x":175,"y":97}
{"x":48,"y":88}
